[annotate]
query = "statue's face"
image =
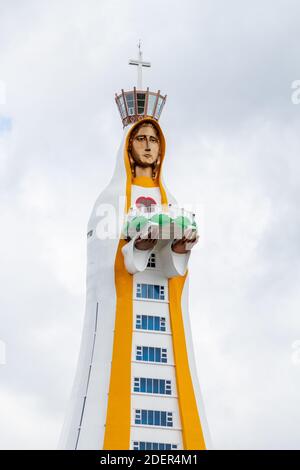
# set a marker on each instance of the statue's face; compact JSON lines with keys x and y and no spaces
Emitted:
{"x":145,"y":146}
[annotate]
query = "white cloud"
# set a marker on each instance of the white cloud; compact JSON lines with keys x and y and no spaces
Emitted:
{"x":25,"y":422}
{"x":232,"y":149}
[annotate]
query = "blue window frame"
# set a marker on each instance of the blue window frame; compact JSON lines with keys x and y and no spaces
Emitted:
{"x":144,"y":290}
{"x":151,"y":354}
{"x":154,"y":418}
{"x":150,"y":322}
{"x":144,"y":445}
{"x":150,"y":291}
{"x":149,"y":385}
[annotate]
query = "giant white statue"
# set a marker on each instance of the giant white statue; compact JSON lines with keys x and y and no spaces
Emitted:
{"x":136,"y":384}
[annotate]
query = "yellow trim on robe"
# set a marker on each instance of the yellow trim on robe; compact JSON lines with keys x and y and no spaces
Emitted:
{"x":145,"y":182}
{"x":117,"y":428}
{"x":117,"y":431}
{"x":192,"y":433}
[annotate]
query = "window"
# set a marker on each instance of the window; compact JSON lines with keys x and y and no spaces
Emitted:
{"x":148,"y":385}
{"x":150,"y":291}
{"x":143,"y":445}
{"x":122,"y":106}
{"x":150,"y":354}
{"x":149,"y":322}
{"x":130,"y":103}
{"x":154,"y":418}
{"x":158,"y":108}
{"x":141,"y":102}
{"x":151,"y":104}
{"x":151,"y":261}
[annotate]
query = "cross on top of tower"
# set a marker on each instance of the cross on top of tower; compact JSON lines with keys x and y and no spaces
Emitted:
{"x":140,"y":64}
{"x":138,"y":104}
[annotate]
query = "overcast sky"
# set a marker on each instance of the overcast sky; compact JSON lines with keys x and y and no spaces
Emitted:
{"x":232,"y":148}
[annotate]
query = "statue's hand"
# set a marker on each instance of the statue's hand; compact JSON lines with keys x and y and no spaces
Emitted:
{"x":147,"y":240}
{"x":186,"y":243}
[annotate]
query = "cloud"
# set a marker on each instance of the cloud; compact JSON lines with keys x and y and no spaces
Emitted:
{"x":232,"y":149}
{"x":5,"y":124}
{"x":26,"y":422}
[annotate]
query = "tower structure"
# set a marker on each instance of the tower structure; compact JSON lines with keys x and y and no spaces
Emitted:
{"x":136,"y":384}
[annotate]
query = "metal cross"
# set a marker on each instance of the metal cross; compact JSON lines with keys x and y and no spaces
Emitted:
{"x":140,"y":64}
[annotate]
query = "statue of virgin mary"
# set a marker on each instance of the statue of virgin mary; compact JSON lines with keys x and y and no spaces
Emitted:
{"x":136,"y":384}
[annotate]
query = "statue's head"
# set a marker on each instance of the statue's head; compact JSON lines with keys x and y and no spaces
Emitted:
{"x":144,"y":148}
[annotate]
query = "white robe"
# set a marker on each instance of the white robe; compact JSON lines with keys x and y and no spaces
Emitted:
{"x":87,"y":422}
